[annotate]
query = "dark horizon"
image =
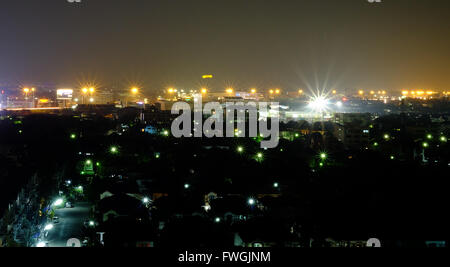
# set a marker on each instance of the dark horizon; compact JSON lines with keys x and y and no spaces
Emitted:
{"x":287,"y":44}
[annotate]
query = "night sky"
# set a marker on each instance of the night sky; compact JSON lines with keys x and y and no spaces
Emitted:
{"x":244,"y":43}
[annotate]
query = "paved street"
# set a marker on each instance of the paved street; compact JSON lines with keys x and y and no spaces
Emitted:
{"x":70,"y":225}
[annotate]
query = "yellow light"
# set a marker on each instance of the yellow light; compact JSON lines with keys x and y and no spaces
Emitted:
{"x":372,"y":92}
{"x":334,"y":92}
{"x":33,"y":89}
{"x":383,"y":92}
{"x":405,"y":92}
{"x":420,"y":92}
{"x":26,"y":90}
{"x":134,"y":90}
{"x":271,"y":92}
{"x":170,"y":90}
{"x":361,"y":92}
{"x":277,"y":91}
{"x":300,"y":91}
{"x":43,"y":101}
{"x":253,"y":91}
{"x":207,"y":76}
{"x":204,"y":91}
{"x":92,"y":89}
{"x":230,"y":90}
{"x":430,"y":92}
{"x":85,"y":90}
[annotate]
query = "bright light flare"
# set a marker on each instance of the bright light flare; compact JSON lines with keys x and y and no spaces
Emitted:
{"x":318,"y":103}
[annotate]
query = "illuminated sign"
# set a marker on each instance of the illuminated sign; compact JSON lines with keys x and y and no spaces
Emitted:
{"x":64,"y":94}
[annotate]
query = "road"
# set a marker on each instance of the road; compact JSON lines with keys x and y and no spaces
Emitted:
{"x":70,"y":225}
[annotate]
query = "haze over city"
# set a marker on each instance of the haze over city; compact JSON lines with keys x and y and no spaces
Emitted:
{"x":244,"y":43}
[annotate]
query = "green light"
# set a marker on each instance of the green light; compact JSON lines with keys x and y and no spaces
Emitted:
{"x":157,"y":155}
{"x":114,"y":150}
{"x":443,"y":139}
{"x":165,"y":133}
{"x":88,"y":162}
{"x":240,"y":149}
{"x":425,"y":144}
{"x":323,"y":155}
{"x":321,"y":164}
{"x":392,"y":157}
{"x":98,"y":164}
{"x":429,"y":136}
{"x":386,"y":136}
{"x":297,"y":135}
{"x":73,"y":136}
{"x":375,"y":144}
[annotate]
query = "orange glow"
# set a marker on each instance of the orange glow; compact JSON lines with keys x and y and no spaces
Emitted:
{"x":230,"y":90}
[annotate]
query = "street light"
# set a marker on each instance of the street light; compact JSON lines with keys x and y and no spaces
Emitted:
{"x":217,"y":220}
{"x":48,"y":227}
{"x":386,"y":136}
{"x":114,"y":150}
{"x":230,"y":90}
{"x":134,"y":91}
{"x":276,"y":185}
{"x":145,"y":200}
{"x":425,"y":144}
{"x":429,"y":136}
{"x":186,"y":186}
{"x":251,"y":201}
{"x":58,"y":202}
{"x":240,"y":149}
{"x":443,"y":139}
{"x":323,"y":156}
{"x":204,"y":91}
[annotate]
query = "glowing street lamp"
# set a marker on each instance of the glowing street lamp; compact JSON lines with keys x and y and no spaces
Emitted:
{"x":429,"y":136}
{"x":145,"y":200}
{"x":323,"y":156}
{"x":240,"y":149}
{"x":425,"y":144}
{"x":230,"y":90}
{"x":114,"y":150}
{"x":443,"y":139}
{"x":386,"y":136}
{"x":253,"y":91}
{"x":73,"y":136}
{"x":204,"y":91}
{"x":134,"y":91}
{"x":276,"y":185}
{"x":48,"y":227}
{"x":217,"y":220}
{"x":58,"y":202}
{"x":187,"y":186}
{"x":251,"y":201}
